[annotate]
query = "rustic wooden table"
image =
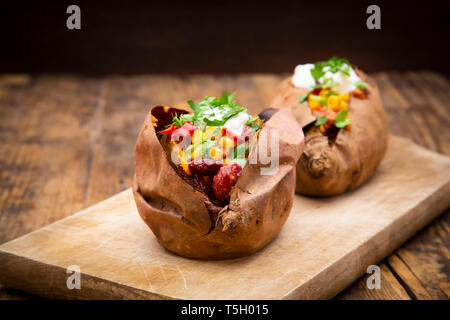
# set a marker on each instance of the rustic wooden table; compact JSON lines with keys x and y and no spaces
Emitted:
{"x":67,"y":143}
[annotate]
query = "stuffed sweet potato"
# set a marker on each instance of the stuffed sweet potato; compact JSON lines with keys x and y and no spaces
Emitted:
{"x":198,"y":183}
{"x":344,"y":123}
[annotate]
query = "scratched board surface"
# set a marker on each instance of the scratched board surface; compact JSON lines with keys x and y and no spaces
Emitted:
{"x":325,"y":245}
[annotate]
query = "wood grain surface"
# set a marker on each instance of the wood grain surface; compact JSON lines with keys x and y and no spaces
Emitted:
{"x":324,"y":246}
{"x":67,"y":142}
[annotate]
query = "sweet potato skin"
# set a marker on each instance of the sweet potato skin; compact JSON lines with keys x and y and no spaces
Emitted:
{"x":183,"y":219}
{"x":326,"y":170}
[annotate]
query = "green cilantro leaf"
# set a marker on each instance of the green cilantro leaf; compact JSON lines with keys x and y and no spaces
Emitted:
{"x":341,"y":120}
{"x":177,"y":121}
{"x":333,"y":65}
{"x":331,"y":93}
{"x":240,"y":150}
{"x":341,"y":115}
{"x":231,"y":97}
{"x":361,"y":85}
{"x":322,"y":100}
{"x":214,"y":111}
{"x":251,"y":120}
{"x":213,"y":123}
{"x":338,"y":65}
{"x":239,"y":154}
{"x":193,"y":105}
{"x":329,"y":83}
{"x":342,"y":124}
{"x":317,"y":72}
{"x":302,"y":99}
{"x":187,"y":118}
{"x":257,"y":126}
{"x":345,"y":69}
{"x":240,"y":161}
{"x":320,"y":119}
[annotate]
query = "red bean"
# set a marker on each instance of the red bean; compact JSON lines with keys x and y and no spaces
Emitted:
{"x":205,"y":167}
{"x":266,"y":114}
{"x":225,"y":179}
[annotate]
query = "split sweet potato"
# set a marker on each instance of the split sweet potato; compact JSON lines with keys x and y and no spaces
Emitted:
{"x":330,"y":167}
{"x":184,"y":218}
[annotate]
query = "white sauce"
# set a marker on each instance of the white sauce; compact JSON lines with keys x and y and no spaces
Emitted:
{"x":217,"y":113}
{"x":236,"y":124}
{"x":302,"y":78}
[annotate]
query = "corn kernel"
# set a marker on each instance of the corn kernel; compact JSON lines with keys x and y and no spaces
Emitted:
{"x":323,"y":93}
{"x":322,"y":129}
{"x":345,"y":96}
{"x":333,"y":102}
{"x":197,"y":137}
{"x":181,"y":154}
{"x":185,"y":167}
{"x":226,"y":143}
{"x":343,"y":105}
{"x":313,"y":104}
{"x":166,"y":109}
{"x":197,"y":153}
{"x":154,"y":119}
{"x":210,"y":131}
{"x":155,"y":124}
{"x":216,"y":153}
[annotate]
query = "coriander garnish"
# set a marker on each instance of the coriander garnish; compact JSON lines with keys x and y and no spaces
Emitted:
{"x":341,"y":119}
{"x":320,"y":119}
{"x":361,"y":85}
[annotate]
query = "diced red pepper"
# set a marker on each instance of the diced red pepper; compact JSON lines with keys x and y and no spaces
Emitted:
{"x":189,"y":127}
{"x":331,"y":116}
{"x":168,"y":130}
{"x":232,"y":136}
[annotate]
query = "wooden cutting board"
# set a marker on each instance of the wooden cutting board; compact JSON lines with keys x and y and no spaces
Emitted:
{"x":325,"y":245}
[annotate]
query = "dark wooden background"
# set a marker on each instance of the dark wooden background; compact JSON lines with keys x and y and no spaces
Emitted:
{"x":130,"y":37}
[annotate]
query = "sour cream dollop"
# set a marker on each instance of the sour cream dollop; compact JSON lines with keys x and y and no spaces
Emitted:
{"x":236,"y":123}
{"x":302,"y":78}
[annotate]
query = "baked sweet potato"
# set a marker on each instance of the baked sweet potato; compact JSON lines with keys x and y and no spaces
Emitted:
{"x":336,"y":160}
{"x":190,"y":220}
